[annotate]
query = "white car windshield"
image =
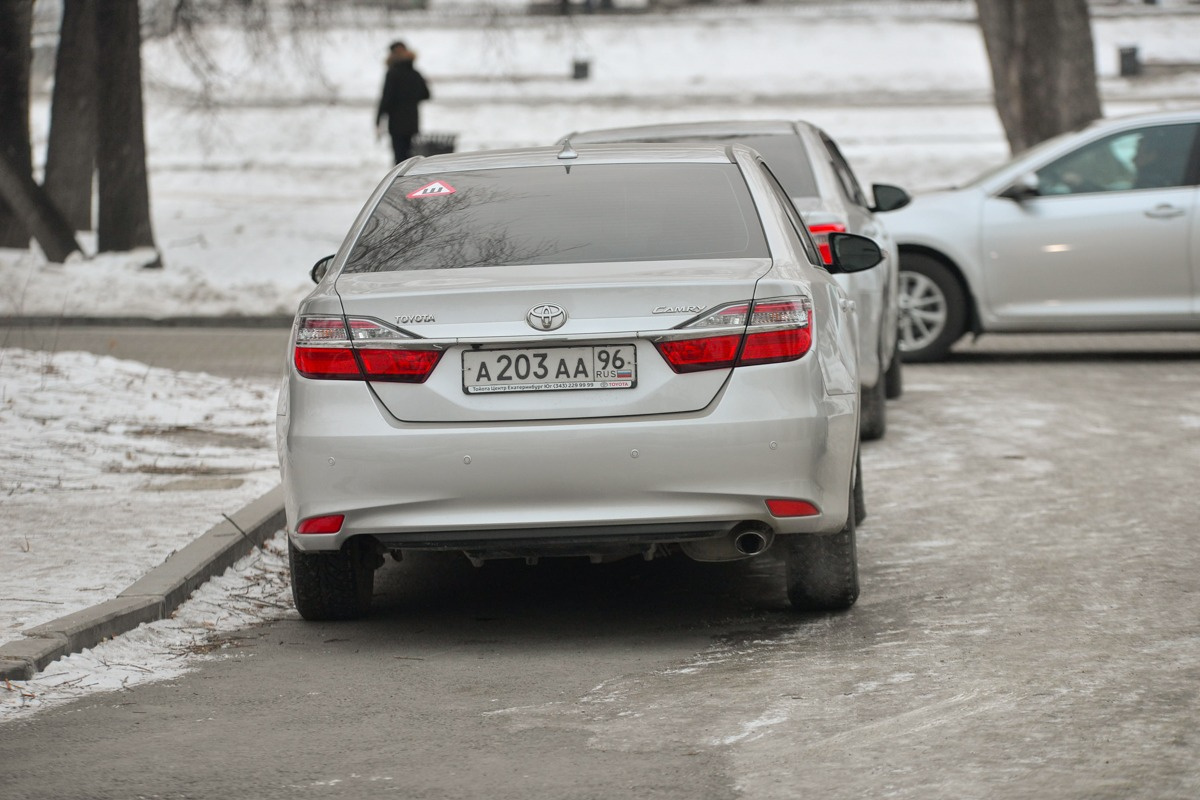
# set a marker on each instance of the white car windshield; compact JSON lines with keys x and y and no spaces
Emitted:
{"x":1029,"y":154}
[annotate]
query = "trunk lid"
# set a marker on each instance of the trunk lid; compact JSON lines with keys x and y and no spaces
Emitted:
{"x":612,"y":312}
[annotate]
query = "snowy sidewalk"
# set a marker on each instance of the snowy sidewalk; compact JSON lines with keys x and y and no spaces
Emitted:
{"x":112,"y":467}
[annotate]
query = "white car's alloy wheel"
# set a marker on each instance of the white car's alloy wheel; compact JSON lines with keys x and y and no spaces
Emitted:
{"x":923,"y":311}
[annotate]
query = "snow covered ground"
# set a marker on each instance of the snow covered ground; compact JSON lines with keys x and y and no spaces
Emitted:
{"x":110,"y":466}
{"x":113,"y":465}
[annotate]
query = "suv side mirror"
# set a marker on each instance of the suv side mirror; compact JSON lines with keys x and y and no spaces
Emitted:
{"x":317,"y":273}
{"x":889,"y":198}
{"x":1025,"y":188}
{"x":853,"y":253}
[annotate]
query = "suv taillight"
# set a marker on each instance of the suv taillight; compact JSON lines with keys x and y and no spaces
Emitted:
{"x":756,"y":332}
{"x":357,"y":349}
{"x":820,"y":234}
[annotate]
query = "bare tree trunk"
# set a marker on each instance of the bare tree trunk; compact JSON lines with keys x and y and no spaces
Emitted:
{"x":34,"y":210}
{"x":71,"y":153}
{"x":124,"y":213}
{"x":16,"y":27}
{"x":1043,"y":66}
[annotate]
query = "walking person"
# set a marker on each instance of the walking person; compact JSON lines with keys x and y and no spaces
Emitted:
{"x":403,"y":90}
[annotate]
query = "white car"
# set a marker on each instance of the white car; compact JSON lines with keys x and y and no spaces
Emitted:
{"x":1097,"y":230}
{"x":596,"y":352}
{"x":824,"y":189}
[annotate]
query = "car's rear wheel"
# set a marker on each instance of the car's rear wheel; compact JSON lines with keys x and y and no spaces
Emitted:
{"x":822,"y":570}
{"x":933,"y":308}
{"x":893,"y":379}
{"x":333,"y":585}
{"x":872,"y":420}
{"x":860,"y":498}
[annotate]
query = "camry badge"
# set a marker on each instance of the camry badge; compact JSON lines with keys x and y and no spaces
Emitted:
{"x":678,"y":310}
{"x":546,"y":317}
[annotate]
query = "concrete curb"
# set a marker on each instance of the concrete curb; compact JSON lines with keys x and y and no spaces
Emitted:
{"x":151,"y":598}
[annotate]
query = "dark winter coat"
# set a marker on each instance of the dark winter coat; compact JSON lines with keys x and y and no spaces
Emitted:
{"x":403,"y":89}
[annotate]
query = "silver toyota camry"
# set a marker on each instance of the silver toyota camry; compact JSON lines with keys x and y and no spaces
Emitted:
{"x":597,"y":352}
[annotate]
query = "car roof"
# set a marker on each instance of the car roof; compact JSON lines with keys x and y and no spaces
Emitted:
{"x":633,"y":153}
{"x":1164,"y":117}
{"x":717,"y":128}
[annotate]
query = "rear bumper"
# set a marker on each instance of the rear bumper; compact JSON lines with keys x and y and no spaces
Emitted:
{"x":645,"y":480}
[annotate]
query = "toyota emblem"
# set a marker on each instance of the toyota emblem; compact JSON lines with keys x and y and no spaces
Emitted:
{"x":546,"y":317}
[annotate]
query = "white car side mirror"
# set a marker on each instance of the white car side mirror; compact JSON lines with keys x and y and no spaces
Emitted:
{"x":1025,"y":187}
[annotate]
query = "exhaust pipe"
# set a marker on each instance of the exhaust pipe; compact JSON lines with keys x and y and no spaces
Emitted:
{"x":752,"y":540}
{"x":746,"y":539}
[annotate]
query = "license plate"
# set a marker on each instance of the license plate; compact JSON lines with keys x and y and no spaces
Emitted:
{"x":550,"y":369}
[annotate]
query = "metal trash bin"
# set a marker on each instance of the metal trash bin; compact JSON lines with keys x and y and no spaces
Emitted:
{"x":431,"y":144}
{"x":1130,"y":63}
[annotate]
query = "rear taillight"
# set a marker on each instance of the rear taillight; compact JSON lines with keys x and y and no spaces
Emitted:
{"x":406,"y":366}
{"x":356,"y":349}
{"x":693,"y":355}
{"x":820,"y":234}
{"x":766,"y":332}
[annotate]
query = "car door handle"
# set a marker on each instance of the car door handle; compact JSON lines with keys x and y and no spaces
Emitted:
{"x":847,"y":305}
{"x":1165,"y":211}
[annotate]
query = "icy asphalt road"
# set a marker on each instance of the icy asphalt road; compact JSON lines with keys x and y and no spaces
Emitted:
{"x":1028,"y":628}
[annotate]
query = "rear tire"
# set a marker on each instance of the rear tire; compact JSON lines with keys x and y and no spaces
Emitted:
{"x":860,"y":498}
{"x":334,"y":585}
{"x":933,"y":308}
{"x":893,"y":379}
{"x":872,"y":419}
{"x":822,"y":570}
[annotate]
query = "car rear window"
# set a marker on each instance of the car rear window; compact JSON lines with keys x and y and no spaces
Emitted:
{"x":561,"y":215}
{"x":788,"y":160}
{"x":783,"y":151}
